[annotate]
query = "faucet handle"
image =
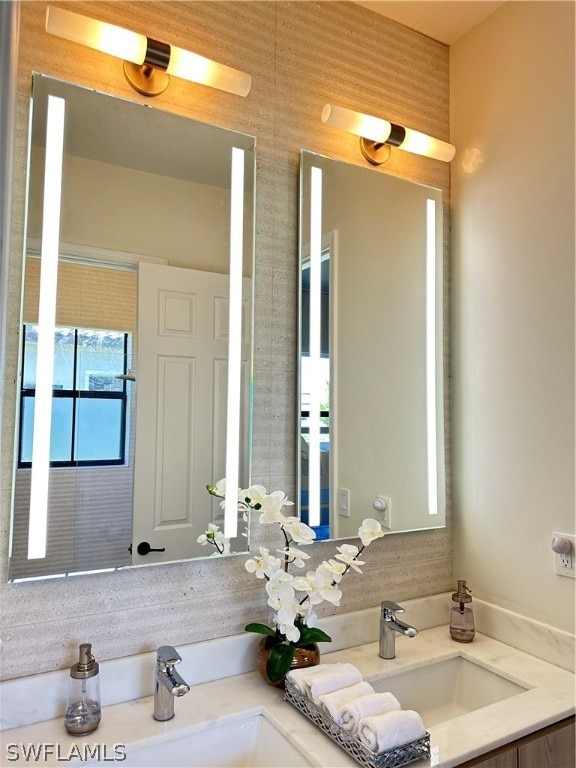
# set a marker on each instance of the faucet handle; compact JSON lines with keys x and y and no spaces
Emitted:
{"x":389,"y":608}
{"x":168,"y":655}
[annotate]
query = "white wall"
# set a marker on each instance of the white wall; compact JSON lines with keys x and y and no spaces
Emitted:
{"x":512,"y":105}
{"x":146,"y":213}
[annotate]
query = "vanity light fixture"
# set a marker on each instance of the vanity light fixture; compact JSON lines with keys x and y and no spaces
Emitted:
{"x":377,"y":136}
{"x":148,"y":63}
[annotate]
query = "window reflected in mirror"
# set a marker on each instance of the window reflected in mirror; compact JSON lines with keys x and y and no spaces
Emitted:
{"x":89,"y":396}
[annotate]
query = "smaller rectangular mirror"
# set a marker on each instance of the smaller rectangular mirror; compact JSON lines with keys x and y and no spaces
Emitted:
{"x":371,"y":416}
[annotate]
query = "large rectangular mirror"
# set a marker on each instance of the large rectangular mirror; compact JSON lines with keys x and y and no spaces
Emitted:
{"x":371,"y":416}
{"x":134,"y":382}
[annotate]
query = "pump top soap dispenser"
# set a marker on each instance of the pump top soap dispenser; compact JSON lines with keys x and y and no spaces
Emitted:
{"x":83,"y":706}
{"x":461,"y":615}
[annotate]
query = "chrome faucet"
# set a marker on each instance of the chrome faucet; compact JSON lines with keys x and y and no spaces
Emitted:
{"x":167,"y":682}
{"x":389,"y":626}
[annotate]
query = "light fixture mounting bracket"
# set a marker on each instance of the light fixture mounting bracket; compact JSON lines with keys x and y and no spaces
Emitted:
{"x":374,"y":151}
{"x":145,"y":79}
{"x":150,"y":78}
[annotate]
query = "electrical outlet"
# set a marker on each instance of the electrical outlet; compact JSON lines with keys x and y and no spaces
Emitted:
{"x":565,"y":562}
{"x":386,"y":511}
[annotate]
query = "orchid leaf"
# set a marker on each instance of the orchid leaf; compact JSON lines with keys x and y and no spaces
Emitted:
{"x":279,"y":661}
{"x":312,"y":635}
{"x":261,"y":629}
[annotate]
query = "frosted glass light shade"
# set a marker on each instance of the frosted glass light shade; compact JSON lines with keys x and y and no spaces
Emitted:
{"x":98,"y":35}
{"x":198,"y":69}
{"x":382,"y":132}
{"x":422,"y":144}
{"x":135,"y":48}
{"x":368,"y":127}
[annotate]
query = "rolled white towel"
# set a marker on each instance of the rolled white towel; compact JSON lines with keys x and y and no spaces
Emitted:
{"x":367,"y":706}
{"x":381,"y":733}
{"x":332,"y":703}
{"x":298,"y":677}
{"x":340,"y":676}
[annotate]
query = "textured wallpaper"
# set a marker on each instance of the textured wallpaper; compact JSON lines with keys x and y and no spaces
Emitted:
{"x":300,"y":55}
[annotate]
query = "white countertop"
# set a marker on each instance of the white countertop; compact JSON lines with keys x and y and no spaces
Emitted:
{"x":550,"y":697}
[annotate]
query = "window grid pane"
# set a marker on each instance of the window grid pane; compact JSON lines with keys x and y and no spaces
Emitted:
{"x":89,"y":422}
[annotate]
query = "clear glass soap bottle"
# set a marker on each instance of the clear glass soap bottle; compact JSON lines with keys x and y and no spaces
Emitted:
{"x":83,"y":706}
{"x":461,"y":615}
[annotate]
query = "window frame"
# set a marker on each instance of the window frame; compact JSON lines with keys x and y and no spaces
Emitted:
{"x":75,"y":395}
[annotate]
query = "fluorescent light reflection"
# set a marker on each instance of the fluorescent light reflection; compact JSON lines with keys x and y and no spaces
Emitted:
{"x":431,"y":356}
{"x":234,"y":345}
{"x":38,"y":519}
{"x":316,"y":379}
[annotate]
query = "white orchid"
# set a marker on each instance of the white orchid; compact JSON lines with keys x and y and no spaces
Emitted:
{"x":281,"y":597}
{"x":269,"y":504}
{"x":289,"y":628}
{"x":264,"y":566}
{"x":308,"y":584}
{"x":294,"y":620}
{"x":299,"y":532}
{"x":271,"y":507}
{"x":215,"y":537}
{"x":370,"y":530}
{"x":271,"y":515}
{"x":295,"y":556}
{"x":348,"y":554}
{"x":326,"y":586}
{"x":310,"y":618}
{"x":256,"y":495}
{"x":336,"y":569}
{"x":319,"y":585}
{"x":280,"y":591}
{"x":220,"y":488}
{"x":212,"y":534}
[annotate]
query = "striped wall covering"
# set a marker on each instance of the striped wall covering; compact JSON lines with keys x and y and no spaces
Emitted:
{"x":300,"y":55}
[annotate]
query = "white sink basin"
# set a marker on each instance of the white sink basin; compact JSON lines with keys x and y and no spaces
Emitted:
{"x":248,"y":741}
{"x":446,"y":689}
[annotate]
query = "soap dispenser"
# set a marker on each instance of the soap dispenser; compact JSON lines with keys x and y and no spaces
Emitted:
{"x":461,"y":615}
{"x":83,"y":705}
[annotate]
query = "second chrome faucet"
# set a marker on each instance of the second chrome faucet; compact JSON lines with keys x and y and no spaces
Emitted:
{"x":390,"y":626}
{"x":167,"y":682}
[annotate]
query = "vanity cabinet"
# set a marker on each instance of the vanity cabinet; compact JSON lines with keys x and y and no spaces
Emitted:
{"x":552,"y":747}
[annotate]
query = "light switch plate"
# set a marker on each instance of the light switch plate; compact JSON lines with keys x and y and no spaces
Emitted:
{"x":344,"y":502}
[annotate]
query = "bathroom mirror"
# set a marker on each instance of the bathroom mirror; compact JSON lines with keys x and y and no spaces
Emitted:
{"x":134,"y":385}
{"x":371,"y":417}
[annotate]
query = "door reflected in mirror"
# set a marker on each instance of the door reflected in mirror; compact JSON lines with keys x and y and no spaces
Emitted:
{"x":371,"y":416}
{"x":128,"y":307}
